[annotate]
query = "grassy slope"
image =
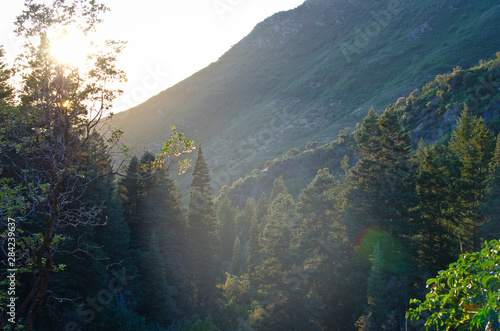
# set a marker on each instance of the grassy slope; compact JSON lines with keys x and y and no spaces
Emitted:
{"x":430,"y":113}
{"x":289,"y":82}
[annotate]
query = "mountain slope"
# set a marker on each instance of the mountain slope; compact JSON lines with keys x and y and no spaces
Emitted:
{"x":430,"y":113}
{"x":304,"y":74}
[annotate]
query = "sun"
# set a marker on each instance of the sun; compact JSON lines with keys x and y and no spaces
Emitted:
{"x":70,"y":47}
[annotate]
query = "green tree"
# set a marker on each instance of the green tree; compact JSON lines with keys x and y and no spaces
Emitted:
{"x":464,"y":296}
{"x":158,"y":304}
{"x":202,"y":231}
{"x":380,"y":198}
{"x":377,"y":294}
{"x":46,"y":137}
{"x":434,"y":238}
{"x":227,"y":215}
{"x":323,"y":248}
{"x":281,"y":301}
{"x":50,"y":131}
{"x":320,"y":207}
{"x":5,"y":74}
{"x":472,"y":147}
{"x":248,"y":214}
{"x":491,"y":230}
{"x":261,"y":209}
{"x":237,"y":252}
{"x":278,"y":187}
{"x":253,"y":249}
{"x":381,"y":189}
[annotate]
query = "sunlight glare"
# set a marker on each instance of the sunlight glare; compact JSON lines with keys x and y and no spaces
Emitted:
{"x":70,"y":47}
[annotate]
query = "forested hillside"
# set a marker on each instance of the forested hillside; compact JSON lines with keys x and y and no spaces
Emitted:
{"x":305,"y":74}
{"x":392,"y":224}
{"x":430,"y":113}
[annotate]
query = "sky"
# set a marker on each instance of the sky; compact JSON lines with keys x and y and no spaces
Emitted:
{"x":167,"y":40}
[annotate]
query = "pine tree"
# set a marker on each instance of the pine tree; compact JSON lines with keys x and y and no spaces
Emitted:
{"x":227,"y":215}
{"x":152,"y":205}
{"x":278,"y":187}
{"x":253,"y":249}
{"x":130,"y":190}
{"x":381,"y":189}
{"x":170,"y":213}
{"x":158,"y":304}
{"x":249,"y":213}
{"x":5,"y":74}
{"x":491,"y":230}
{"x":322,"y":247}
{"x":319,"y":205}
{"x":380,"y":194}
{"x":261,"y":210}
{"x":237,"y":256}
{"x":281,"y":227}
{"x":282,"y":298}
{"x":202,"y":231}
{"x":377,"y":291}
{"x":436,"y":247}
{"x":472,"y":146}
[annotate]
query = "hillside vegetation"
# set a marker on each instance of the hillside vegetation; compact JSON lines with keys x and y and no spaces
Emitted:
{"x":429,"y":113}
{"x":305,"y":74}
{"x":335,"y":228}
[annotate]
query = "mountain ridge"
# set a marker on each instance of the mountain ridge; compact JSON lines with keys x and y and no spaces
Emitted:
{"x":290,"y":81}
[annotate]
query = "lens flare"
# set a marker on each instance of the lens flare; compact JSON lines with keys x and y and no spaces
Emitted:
{"x":70,"y":47}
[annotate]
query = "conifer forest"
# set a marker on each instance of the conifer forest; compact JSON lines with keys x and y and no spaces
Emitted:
{"x":374,"y":203}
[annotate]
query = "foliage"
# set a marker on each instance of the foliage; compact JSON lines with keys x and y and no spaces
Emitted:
{"x":226,"y":215}
{"x":197,"y":324}
{"x":464,"y":296}
{"x":204,"y":245}
{"x":265,"y":100}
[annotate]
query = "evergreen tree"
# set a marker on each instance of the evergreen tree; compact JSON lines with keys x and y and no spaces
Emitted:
{"x":491,"y":230}
{"x":320,"y":204}
{"x":282,"y":301}
{"x":158,"y":304}
{"x":377,"y":292}
{"x":261,"y":209}
{"x":436,"y":246}
{"x":253,"y":249}
{"x":170,"y":212}
{"x":322,"y":247}
{"x":282,"y":225}
{"x":5,"y":74}
{"x":380,"y":196}
{"x":249,"y":213}
{"x":472,"y":147}
{"x":202,"y":229}
{"x":130,"y":191}
{"x":278,"y":187}
{"x":381,"y":189}
{"x":237,"y":256}
{"x":227,"y":215}
{"x":152,"y":205}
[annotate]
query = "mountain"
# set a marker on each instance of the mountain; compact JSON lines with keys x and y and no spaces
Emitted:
{"x":430,"y":113}
{"x":304,"y":74}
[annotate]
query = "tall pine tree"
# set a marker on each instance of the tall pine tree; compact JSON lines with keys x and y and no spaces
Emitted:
{"x":381,"y":188}
{"x":472,"y":147}
{"x":227,"y":215}
{"x":202,"y":232}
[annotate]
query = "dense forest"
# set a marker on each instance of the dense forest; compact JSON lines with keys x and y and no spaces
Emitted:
{"x":390,"y":226}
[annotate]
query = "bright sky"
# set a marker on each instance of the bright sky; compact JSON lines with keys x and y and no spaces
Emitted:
{"x":168,"y":40}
